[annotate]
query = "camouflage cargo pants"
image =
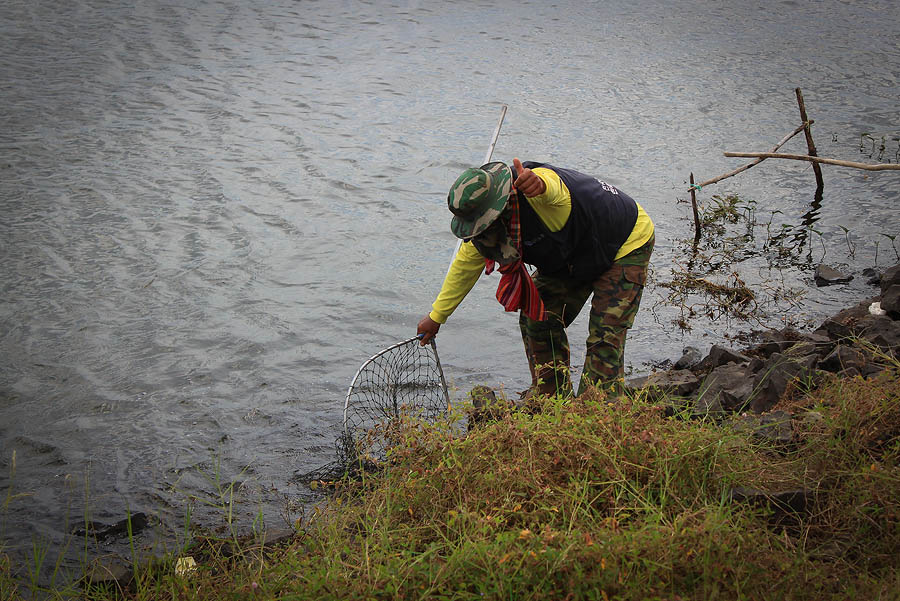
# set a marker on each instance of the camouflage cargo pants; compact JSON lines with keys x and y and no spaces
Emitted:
{"x":615,"y":302}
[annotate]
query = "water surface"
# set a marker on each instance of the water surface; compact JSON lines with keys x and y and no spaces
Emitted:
{"x":211,"y":214}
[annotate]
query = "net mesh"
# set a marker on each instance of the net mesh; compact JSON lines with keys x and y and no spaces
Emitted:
{"x":405,"y":379}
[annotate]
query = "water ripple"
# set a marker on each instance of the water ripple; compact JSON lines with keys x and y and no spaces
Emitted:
{"x":213,"y":213}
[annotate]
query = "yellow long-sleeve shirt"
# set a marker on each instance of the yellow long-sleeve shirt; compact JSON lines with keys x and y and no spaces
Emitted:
{"x":553,"y":207}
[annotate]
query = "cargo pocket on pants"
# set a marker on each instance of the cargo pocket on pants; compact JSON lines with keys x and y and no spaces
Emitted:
{"x":636,"y":274}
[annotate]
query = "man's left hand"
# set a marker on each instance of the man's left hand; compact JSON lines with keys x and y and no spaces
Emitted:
{"x":527,"y":182}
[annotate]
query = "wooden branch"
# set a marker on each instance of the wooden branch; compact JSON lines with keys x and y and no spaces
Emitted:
{"x":810,"y":145}
{"x":696,"y":213}
{"x":804,"y":157}
{"x":756,"y":162}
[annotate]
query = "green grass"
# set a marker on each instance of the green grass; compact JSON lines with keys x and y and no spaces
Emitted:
{"x":590,"y":501}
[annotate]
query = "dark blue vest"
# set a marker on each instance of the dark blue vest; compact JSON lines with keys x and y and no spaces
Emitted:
{"x":601,"y":220}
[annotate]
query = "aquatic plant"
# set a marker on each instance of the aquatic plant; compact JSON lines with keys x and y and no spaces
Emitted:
{"x":892,"y":238}
{"x":709,"y":282}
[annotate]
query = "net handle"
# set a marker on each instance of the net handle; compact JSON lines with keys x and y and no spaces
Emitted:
{"x":380,"y":353}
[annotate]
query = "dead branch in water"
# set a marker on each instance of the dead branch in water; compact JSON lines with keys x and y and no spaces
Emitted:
{"x":756,"y":162}
{"x":810,"y":145}
{"x":696,"y":212}
{"x":805,"y":157}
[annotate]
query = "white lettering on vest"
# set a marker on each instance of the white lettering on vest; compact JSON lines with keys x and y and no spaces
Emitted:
{"x":608,"y":188}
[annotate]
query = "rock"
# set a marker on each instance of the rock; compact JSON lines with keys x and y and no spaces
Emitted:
{"x":772,"y":381}
{"x":486,"y":406}
{"x":719,"y":355}
{"x":690,"y":357}
{"x":679,"y":381}
{"x":822,"y":343}
{"x":841,"y":358}
{"x":804,"y":348}
{"x":782,"y":340}
{"x":774,"y":427}
{"x":880,"y":330}
{"x":755,"y":365}
{"x":818,"y":339}
{"x":890,"y":300}
{"x":668,"y":388}
{"x":849,"y":373}
{"x":279,"y":537}
{"x":107,"y":572}
{"x":811,"y":418}
{"x":787,"y":506}
{"x":102,"y":532}
{"x":873,"y":275}
{"x":870,"y":369}
{"x":844,"y":323}
{"x":826,"y":276}
{"x":726,"y":388}
{"x":891,"y":277}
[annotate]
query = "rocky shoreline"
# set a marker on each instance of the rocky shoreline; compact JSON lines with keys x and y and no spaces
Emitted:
{"x":752,"y":381}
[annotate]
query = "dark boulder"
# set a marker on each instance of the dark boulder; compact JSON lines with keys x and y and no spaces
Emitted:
{"x":890,"y":278}
{"x":845,"y":323}
{"x":124,"y":528}
{"x":825,"y":276}
{"x":726,"y":388}
{"x":772,"y":381}
{"x":873,"y":275}
{"x":822,"y":342}
{"x":107,"y":574}
{"x":720,"y":355}
{"x":787,"y":506}
{"x":690,"y":357}
{"x":487,"y":407}
{"x":677,"y":381}
{"x":880,"y":330}
{"x":774,"y":427}
{"x":781,"y":340}
{"x":890,"y":301}
{"x":843,"y":357}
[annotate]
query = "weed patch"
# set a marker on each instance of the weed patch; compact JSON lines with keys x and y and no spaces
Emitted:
{"x":589,"y":500}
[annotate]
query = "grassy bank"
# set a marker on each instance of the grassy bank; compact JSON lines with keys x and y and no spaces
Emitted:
{"x":590,"y":501}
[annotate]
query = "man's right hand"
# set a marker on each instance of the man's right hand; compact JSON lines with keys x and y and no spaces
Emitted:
{"x":527,"y":181}
{"x":428,"y":329}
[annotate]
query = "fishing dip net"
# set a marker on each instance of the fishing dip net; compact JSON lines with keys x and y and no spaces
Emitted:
{"x":403,"y":380}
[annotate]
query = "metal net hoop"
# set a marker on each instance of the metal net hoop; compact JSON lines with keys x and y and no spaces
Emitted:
{"x":403,"y":379}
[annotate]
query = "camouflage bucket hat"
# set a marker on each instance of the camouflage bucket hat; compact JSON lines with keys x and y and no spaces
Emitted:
{"x":478,"y":197}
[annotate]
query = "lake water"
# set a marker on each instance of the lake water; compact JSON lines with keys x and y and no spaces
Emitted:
{"x":212,"y":212}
